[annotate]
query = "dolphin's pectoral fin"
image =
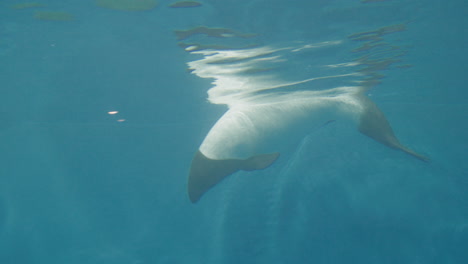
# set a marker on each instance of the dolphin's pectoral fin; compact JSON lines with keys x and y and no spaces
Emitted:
{"x":206,"y":173}
{"x":373,"y":124}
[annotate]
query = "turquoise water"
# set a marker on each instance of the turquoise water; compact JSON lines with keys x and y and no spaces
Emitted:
{"x":80,"y":185}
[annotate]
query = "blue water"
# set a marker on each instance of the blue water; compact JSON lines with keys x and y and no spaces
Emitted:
{"x":79,"y":185}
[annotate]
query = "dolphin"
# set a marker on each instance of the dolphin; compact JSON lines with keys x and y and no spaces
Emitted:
{"x":267,"y":115}
{"x":243,"y":138}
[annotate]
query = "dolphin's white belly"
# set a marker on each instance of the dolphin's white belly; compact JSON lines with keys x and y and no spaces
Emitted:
{"x":248,"y":130}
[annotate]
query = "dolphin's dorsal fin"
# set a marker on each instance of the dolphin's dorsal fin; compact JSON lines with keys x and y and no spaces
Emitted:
{"x":206,"y":173}
{"x":375,"y":125}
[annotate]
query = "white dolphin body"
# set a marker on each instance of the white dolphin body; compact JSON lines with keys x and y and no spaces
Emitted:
{"x":268,"y":114}
{"x":247,"y":130}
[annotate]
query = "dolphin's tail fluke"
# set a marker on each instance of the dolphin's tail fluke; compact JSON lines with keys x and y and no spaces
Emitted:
{"x":373,"y":124}
{"x":206,"y":173}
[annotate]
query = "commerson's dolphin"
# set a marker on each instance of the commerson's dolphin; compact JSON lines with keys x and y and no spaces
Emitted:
{"x":265,"y":115}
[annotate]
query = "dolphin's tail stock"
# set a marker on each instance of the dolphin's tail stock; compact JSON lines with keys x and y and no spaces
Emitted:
{"x":206,"y":173}
{"x":372,"y":123}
